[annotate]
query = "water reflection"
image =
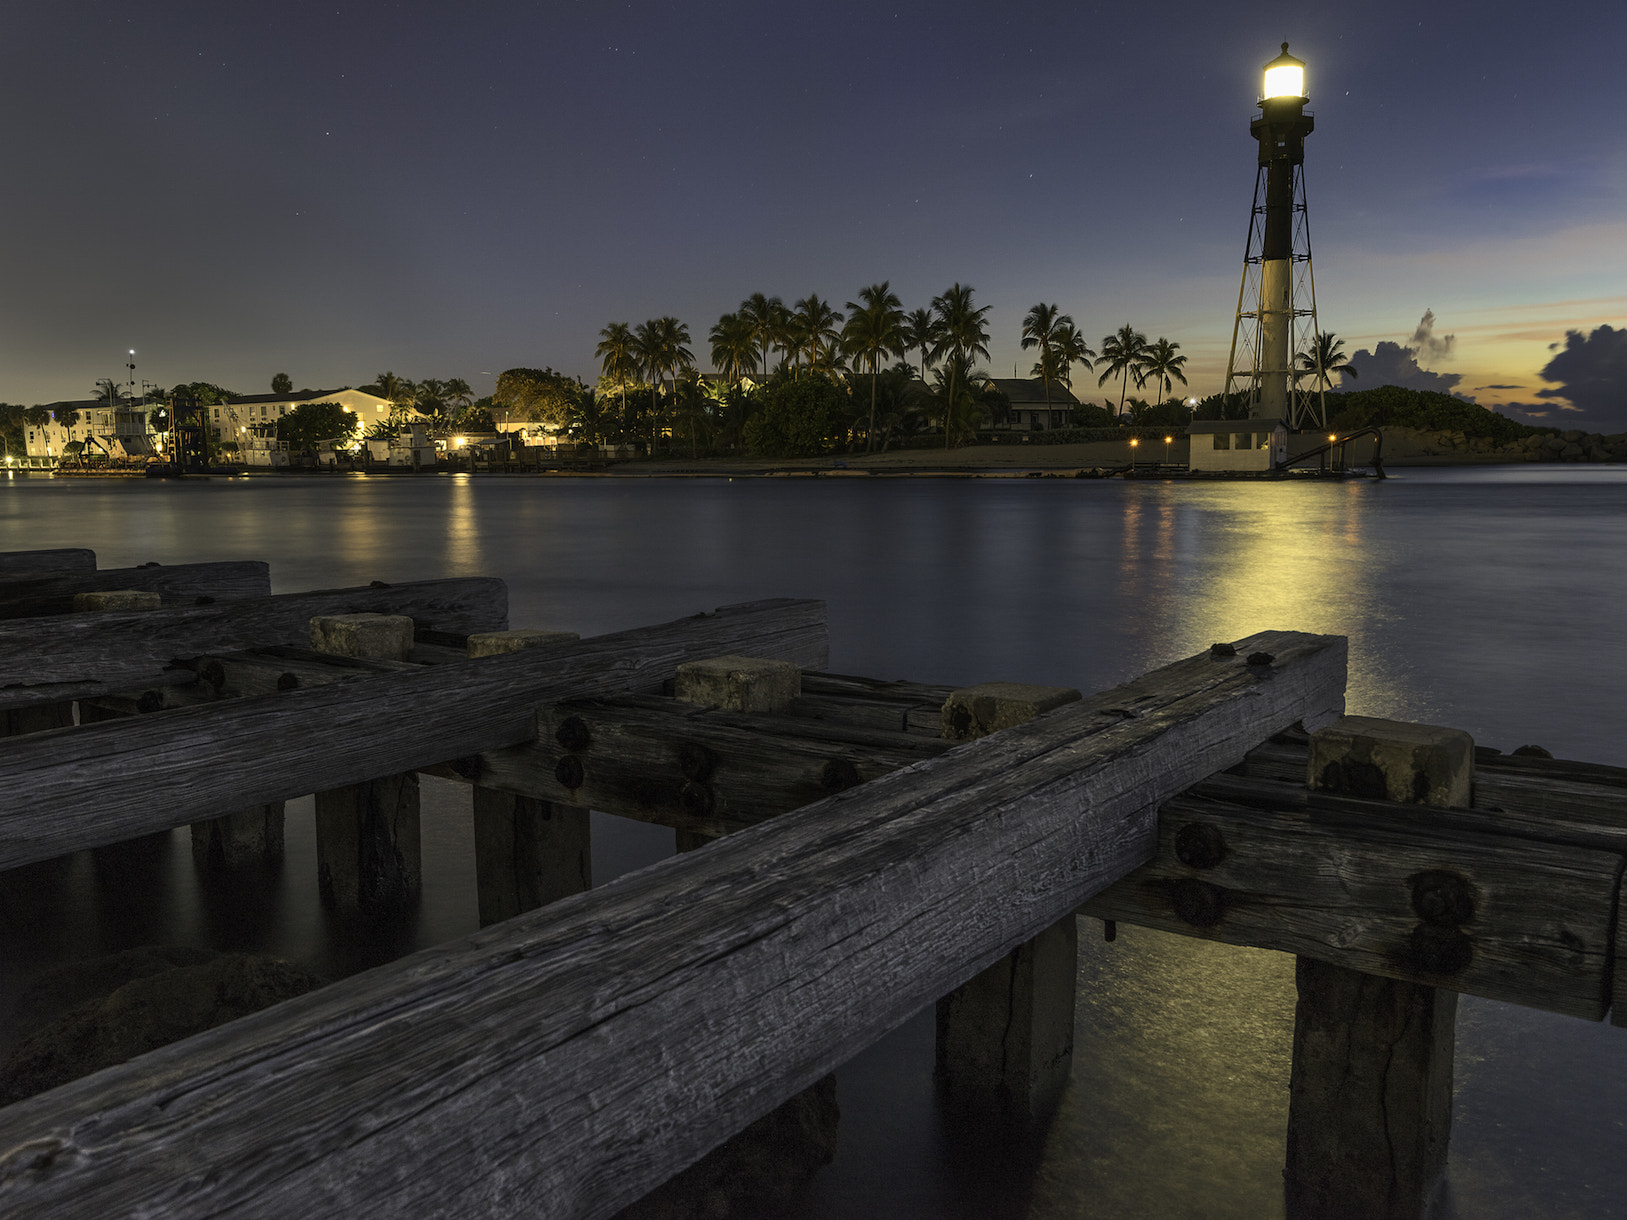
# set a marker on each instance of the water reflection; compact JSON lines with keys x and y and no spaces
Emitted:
{"x":1484,"y":599}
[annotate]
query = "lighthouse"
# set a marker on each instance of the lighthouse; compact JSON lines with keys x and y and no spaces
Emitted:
{"x":1276,"y":303}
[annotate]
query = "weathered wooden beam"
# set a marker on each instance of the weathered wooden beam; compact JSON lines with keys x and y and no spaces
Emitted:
{"x":76,"y":788}
{"x":700,"y":770}
{"x":1335,"y":881}
{"x":569,"y":1060}
{"x":176,"y":584}
{"x":73,"y":656}
{"x":24,"y":565}
{"x":907,"y":707}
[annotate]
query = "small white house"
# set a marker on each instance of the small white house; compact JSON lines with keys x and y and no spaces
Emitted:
{"x":1236,"y":444}
{"x":411,"y":447}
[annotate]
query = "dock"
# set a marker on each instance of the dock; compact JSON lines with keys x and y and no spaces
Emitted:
{"x":851,"y":851}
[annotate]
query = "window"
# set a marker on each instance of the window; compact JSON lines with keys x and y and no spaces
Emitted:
{"x":1222,"y":440}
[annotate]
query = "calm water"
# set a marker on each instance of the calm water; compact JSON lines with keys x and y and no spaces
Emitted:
{"x":1489,"y":600}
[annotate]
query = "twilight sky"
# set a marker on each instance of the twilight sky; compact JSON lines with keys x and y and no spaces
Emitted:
{"x":332,"y":190}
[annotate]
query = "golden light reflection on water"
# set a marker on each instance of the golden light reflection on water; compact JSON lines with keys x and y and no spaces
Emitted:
{"x":1221,"y":562}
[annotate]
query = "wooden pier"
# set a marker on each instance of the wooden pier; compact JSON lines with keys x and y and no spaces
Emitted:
{"x":858,"y":849}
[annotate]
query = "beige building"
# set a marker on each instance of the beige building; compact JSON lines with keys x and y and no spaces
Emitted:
{"x":234,"y":421}
{"x":122,"y":431}
{"x":1030,"y":412}
{"x":1236,"y":444}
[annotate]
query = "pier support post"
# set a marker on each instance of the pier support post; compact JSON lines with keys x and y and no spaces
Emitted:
{"x":1005,"y":1037}
{"x":528,"y":852}
{"x":368,"y":854}
{"x":1370,"y":1094}
{"x":799,"y":1135}
{"x":735,"y":684}
{"x":239,"y":840}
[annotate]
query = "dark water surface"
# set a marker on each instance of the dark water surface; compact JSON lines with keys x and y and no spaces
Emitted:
{"x":1490,"y":600}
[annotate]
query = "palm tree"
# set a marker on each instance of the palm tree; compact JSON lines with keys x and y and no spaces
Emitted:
{"x":618,"y":358}
{"x":875,"y":328}
{"x":1159,"y":364}
{"x":959,"y":390}
{"x":458,"y":392}
{"x":647,"y":352}
{"x":920,"y":331}
{"x":1043,"y":328}
{"x":963,"y":335}
{"x":733,"y":346}
{"x":397,"y":391}
{"x":662,"y":346}
{"x":1124,"y":352}
{"x":1071,"y":349}
{"x":767,"y":318}
{"x":817,"y":322}
{"x":1327,"y":357}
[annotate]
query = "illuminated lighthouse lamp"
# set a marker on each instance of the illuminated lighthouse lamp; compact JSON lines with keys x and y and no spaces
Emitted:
{"x":1284,"y":77}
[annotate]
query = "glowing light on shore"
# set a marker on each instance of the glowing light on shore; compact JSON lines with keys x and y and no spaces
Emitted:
{"x":1284,"y":77}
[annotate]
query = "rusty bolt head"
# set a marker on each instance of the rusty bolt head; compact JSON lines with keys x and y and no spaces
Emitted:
{"x":569,"y":772}
{"x":572,"y":733}
{"x":1435,"y":950}
{"x":838,"y":774}
{"x":150,"y":701}
{"x":1442,"y":899}
{"x":214,"y":673}
{"x":203,"y":601}
{"x":1222,"y":650}
{"x":696,"y":799}
{"x":287,"y":681}
{"x":1198,"y":903}
{"x":696,"y":761}
{"x":1260,"y":658}
{"x":1199,"y":845}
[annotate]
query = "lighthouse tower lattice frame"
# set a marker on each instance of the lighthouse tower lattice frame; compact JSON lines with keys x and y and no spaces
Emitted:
{"x":1276,"y":321}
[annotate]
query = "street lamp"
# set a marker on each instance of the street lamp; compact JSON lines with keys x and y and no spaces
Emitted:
{"x":1167,"y":440}
{"x":1134,"y":441}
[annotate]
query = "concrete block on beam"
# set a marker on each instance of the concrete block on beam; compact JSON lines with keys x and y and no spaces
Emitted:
{"x":739,"y":684}
{"x":977,"y":711}
{"x":117,"y":599}
{"x":1386,"y":760}
{"x":373,"y":637}
{"x":495,"y":643}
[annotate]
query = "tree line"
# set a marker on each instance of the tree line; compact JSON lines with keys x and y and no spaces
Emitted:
{"x":811,"y":377}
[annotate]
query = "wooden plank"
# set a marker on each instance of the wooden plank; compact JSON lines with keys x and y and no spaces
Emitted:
{"x":1343,"y":893}
{"x":697,"y":769}
{"x":71,"y":656}
{"x":17,"y":565}
{"x":104,"y":783}
{"x":867,"y":702}
{"x":178,"y":584}
{"x":568,"y":1060}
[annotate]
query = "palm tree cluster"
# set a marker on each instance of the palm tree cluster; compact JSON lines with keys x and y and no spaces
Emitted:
{"x":1126,"y":354}
{"x":866,"y":348}
{"x":446,"y":404}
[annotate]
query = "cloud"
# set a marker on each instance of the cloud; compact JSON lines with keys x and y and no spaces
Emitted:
{"x":1499,"y":387}
{"x":1591,"y":372}
{"x":1424,"y":343}
{"x":1391,"y":364}
{"x":1398,"y":363}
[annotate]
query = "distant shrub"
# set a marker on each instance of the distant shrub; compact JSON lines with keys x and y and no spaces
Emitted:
{"x":1393,"y":406}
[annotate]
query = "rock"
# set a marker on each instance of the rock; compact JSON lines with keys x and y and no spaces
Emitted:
{"x":1571,"y":437}
{"x":150,"y":1010}
{"x":1571,"y":453}
{"x":759,"y":1171}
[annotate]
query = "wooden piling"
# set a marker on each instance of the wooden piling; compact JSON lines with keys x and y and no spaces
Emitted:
{"x":1370,"y":1093}
{"x":369,"y":855}
{"x":528,"y":852}
{"x":1005,"y":1037}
